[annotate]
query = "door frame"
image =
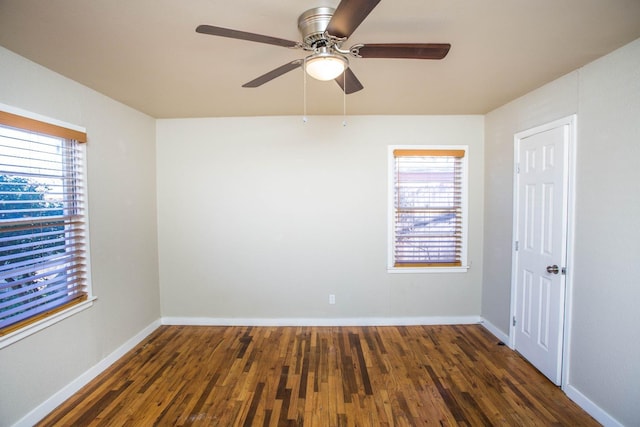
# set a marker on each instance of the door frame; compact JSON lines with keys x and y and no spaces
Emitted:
{"x":571,"y":128}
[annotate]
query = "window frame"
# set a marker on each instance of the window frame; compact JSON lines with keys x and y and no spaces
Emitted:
{"x":391,"y":215}
{"x":20,"y":119}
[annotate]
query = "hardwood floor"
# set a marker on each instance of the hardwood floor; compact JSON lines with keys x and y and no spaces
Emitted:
{"x":320,"y":376}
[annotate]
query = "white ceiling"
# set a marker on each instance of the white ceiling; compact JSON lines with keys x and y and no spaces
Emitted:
{"x":146,"y":53}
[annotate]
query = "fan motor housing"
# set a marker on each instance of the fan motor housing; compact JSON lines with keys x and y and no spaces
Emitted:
{"x":312,"y":25}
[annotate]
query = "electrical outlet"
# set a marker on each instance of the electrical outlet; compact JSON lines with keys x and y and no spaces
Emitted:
{"x":332,"y":299}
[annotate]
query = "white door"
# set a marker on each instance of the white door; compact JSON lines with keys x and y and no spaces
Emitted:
{"x":540,"y":249}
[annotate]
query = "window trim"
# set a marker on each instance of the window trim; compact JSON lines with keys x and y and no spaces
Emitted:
{"x":18,"y":118}
{"x":51,"y":319}
{"x":391,"y":268}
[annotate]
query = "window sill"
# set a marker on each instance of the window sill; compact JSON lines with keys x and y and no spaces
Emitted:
{"x":32,"y":328}
{"x":427,"y":270}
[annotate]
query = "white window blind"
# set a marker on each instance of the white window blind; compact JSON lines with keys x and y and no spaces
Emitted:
{"x":42,"y":229}
{"x":428,"y":225}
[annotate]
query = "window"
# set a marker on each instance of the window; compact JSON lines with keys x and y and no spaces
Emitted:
{"x":427,"y":209}
{"x":43,"y":262}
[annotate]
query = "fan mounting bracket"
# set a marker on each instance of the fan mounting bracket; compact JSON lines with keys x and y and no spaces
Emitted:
{"x":312,"y":25}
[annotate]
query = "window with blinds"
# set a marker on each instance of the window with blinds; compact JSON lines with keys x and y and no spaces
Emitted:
{"x":42,"y":221}
{"x":428,"y":191}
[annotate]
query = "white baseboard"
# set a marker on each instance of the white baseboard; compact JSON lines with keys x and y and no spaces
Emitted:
{"x":591,"y":408}
{"x":495,"y":331}
{"x":57,"y":399}
{"x":580,"y":399}
{"x":66,"y":392}
{"x":349,"y":321}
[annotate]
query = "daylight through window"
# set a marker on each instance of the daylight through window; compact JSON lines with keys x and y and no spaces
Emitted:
{"x":428,"y":203}
{"x":42,"y":228}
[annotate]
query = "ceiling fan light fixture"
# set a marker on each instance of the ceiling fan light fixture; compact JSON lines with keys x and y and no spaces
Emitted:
{"x":325,"y":65}
{"x":323,"y":30}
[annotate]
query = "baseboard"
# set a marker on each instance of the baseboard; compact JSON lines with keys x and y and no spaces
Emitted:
{"x":349,"y":321}
{"x":591,"y":408}
{"x":66,"y":392}
{"x":58,"y":398}
{"x":495,"y":331}
{"x":580,"y":399}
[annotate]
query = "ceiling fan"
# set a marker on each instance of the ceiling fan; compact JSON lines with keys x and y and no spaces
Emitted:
{"x":323,"y":30}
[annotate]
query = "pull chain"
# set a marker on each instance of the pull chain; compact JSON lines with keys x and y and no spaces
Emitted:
{"x":304,"y":92}
{"x":344,"y":97}
{"x":304,"y":95}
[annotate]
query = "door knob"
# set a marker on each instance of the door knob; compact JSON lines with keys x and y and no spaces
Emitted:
{"x":553,"y":269}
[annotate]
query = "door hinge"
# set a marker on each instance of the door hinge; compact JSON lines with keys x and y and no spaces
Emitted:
{"x":514,"y":320}
{"x":516,"y":245}
{"x":517,"y":167}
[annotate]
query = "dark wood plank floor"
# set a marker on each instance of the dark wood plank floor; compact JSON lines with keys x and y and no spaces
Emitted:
{"x":320,"y":376}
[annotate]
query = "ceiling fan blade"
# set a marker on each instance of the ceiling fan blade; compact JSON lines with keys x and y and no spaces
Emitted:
{"x":274,"y":73}
{"x":352,"y":82}
{"x":348,"y":16}
{"x":243,"y":35}
{"x":404,"y":50}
